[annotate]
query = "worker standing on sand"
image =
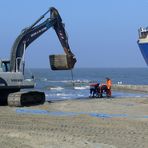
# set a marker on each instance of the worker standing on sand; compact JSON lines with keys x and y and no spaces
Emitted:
{"x":109,"y":84}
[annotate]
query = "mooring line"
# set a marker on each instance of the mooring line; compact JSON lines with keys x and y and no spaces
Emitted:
{"x":73,"y":84}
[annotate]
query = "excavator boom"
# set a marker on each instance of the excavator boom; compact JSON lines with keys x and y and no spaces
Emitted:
{"x":28,"y":35}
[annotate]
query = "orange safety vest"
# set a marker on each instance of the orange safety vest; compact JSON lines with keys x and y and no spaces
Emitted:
{"x":109,"y":84}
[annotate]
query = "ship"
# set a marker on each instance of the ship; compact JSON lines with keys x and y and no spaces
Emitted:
{"x":143,"y":42}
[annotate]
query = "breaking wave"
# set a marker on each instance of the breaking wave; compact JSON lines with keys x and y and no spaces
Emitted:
{"x":56,"y":88}
{"x":81,"y":87}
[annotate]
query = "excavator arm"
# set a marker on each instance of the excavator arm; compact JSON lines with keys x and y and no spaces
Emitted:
{"x":28,"y":35}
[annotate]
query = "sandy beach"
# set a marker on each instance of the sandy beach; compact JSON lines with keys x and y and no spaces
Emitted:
{"x":59,"y":54}
{"x":81,"y":123}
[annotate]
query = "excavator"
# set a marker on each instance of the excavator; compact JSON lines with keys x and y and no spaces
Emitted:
{"x":13,"y":85}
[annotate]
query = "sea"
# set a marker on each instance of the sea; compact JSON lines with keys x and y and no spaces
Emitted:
{"x":67,"y":84}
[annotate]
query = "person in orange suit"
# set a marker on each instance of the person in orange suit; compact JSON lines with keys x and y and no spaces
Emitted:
{"x":109,"y":84}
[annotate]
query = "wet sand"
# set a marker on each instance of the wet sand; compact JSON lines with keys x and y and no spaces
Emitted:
{"x":118,"y":123}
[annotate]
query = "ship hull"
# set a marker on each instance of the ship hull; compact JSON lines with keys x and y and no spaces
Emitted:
{"x":144,"y":50}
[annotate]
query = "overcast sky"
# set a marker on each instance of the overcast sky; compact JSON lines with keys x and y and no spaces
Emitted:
{"x":102,"y":33}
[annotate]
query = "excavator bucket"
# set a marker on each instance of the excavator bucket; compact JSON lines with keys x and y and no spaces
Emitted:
{"x":62,"y":62}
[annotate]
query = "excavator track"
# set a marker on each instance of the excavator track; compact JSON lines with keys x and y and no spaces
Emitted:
{"x":19,"y":99}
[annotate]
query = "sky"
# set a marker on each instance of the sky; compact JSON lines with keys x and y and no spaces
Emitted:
{"x":102,"y":33}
